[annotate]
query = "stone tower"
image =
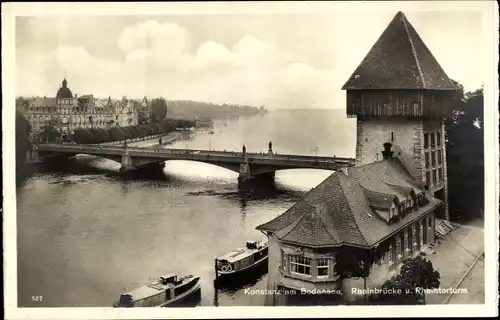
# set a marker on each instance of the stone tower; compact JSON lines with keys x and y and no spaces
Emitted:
{"x":400,"y":94}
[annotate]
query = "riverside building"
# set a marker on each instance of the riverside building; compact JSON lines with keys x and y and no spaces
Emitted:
{"x":392,"y":204}
{"x":68,"y":112}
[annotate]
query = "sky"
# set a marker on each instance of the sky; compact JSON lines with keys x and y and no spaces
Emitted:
{"x":287,"y":60}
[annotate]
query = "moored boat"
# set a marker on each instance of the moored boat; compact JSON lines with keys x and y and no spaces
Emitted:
{"x":240,"y":260}
{"x":166,"y":291}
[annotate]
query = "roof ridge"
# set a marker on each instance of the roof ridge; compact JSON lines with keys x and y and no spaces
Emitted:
{"x":350,"y":209}
{"x":292,"y":225}
{"x":403,"y":18}
{"x":326,"y":229}
{"x":377,"y":192}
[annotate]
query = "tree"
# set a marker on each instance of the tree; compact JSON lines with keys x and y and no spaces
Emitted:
{"x":143,"y":117}
{"x":465,"y":155}
{"x":354,"y":263}
{"x":23,"y":143}
{"x":83,"y":136}
{"x":50,"y":131}
{"x":415,"y":273}
{"x":396,"y":291}
{"x":158,"y":110}
{"x":115,"y":134}
{"x":419,"y":272}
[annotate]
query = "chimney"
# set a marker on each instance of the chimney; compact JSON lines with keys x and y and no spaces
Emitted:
{"x":387,"y":152}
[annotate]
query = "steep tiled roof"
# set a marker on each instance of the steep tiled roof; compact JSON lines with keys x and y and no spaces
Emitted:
{"x":399,"y":60}
{"x":43,"y":102}
{"x":342,"y":211}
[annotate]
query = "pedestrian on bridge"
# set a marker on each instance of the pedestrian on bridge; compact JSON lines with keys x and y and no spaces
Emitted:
{"x":270,"y":146}
{"x":244,"y":149}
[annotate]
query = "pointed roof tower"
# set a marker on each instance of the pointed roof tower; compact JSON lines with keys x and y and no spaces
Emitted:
{"x":399,"y":60}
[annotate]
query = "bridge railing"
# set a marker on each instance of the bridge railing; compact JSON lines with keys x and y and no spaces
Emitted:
{"x":164,"y":151}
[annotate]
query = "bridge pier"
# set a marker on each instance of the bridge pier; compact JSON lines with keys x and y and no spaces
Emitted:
{"x":127,"y":163}
{"x":246,"y":178}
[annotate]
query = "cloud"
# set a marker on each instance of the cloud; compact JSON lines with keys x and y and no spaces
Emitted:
{"x":156,"y":61}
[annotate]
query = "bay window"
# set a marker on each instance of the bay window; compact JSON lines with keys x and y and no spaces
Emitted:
{"x":300,"y":265}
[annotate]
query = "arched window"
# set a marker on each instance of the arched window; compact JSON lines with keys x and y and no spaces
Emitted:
{"x":411,"y":238}
{"x":417,"y":234}
{"x":405,"y":242}
{"x":423,"y":234}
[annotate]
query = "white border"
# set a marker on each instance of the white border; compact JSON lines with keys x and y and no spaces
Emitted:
{"x":489,"y":10}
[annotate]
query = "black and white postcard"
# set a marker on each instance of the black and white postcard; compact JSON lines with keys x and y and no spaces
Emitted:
{"x":250,"y":159}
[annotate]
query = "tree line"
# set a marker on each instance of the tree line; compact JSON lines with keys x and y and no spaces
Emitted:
{"x":100,"y":135}
{"x":465,"y":155}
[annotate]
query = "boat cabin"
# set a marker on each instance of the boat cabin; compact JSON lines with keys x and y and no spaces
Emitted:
{"x":169,"y":278}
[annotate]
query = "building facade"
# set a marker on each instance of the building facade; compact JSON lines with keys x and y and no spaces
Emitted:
{"x":384,"y":209}
{"x":68,"y":112}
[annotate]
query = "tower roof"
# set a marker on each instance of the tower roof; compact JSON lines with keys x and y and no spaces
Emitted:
{"x":64,"y":92}
{"x":399,"y":60}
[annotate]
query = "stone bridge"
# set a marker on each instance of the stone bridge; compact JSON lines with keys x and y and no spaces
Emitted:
{"x":248,"y":165}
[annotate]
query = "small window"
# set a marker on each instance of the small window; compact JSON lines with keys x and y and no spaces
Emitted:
{"x":322,"y":265}
{"x":433,"y":156}
{"x":438,"y":138}
{"x":428,"y":177}
{"x":430,"y":222}
{"x":434,"y":177}
{"x":440,"y":156}
{"x":427,"y":163}
{"x":433,"y":142}
{"x":440,"y":173}
{"x":415,"y":108}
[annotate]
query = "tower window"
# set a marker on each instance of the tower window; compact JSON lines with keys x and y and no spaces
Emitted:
{"x":428,"y":177}
{"x":415,"y":108}
{"x":427,"y":163}
{"x":433,"y":142}
{"x":438,"y":136}
{"x":434,"y":177}
{"x":433,"y":157}
{"x":426,"y":140}
{"x":440,"y":157}
{"x":392,"y":136}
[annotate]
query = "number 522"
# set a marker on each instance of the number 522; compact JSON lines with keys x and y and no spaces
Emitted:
{"x":37,"y":298}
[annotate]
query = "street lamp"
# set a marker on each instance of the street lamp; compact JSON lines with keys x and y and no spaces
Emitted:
{"x":211,"y":133}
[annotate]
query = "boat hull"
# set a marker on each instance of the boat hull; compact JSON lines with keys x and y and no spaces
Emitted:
{"x":261,"y":264}
{"x":192,"y":296}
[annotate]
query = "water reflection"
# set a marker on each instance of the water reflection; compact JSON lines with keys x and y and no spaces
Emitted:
{"x":82,"y":217}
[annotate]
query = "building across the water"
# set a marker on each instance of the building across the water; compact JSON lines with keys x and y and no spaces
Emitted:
{"x":390,"y":205}
{"x":68,"y":112}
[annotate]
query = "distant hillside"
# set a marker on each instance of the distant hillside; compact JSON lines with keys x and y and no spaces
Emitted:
{"x":203,"y":110}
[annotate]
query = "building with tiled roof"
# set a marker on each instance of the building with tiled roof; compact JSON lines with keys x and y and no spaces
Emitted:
{"x":68,"y":112}
{"x":384,"y":209}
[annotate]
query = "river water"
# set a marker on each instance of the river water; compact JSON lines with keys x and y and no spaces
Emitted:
{"x":85,"y":234}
